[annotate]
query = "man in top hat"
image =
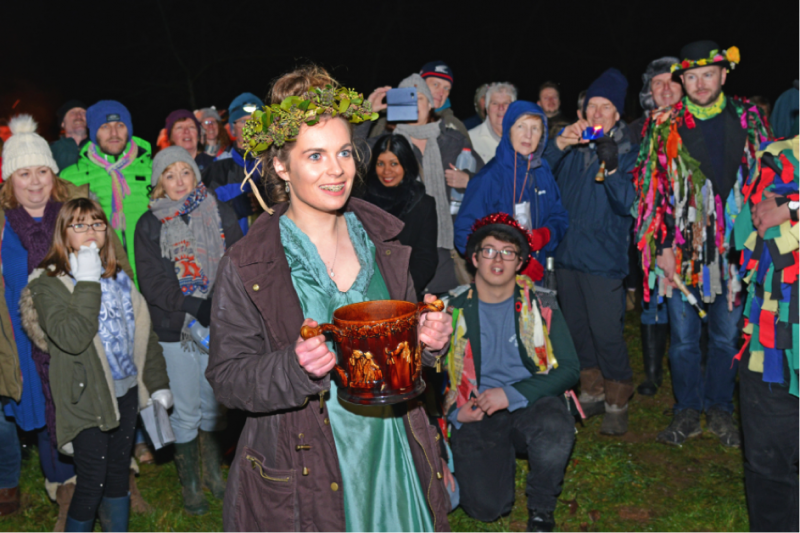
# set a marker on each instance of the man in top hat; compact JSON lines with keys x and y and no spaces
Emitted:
{"x":696,"y":158}
{"x":226,"y":174}
{"x":74,"y":135}
{"x":592,"y":259}
{"x":117,"y":167}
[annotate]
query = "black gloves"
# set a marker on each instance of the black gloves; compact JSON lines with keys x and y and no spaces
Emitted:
{"x":204,"y":313}
{"x":608,"y":152}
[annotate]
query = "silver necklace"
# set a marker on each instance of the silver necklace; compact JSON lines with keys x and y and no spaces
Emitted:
{"x":336,"y":252}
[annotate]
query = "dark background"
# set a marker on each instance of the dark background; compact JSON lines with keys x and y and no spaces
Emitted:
{"x":158,"y":56}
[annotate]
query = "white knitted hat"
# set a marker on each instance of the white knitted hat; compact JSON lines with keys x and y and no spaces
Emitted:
{"x":25,"y":148}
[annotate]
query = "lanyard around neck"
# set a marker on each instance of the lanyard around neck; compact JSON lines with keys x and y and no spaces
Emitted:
{"x":524,"y":183}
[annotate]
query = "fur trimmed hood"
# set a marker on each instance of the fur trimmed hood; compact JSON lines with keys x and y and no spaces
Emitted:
{"x":30,"y":320}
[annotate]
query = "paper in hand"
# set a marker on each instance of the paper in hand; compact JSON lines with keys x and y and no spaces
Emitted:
{"x":156,"y":422}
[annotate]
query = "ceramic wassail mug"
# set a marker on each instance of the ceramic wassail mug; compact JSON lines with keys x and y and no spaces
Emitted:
{"x":379,"y":353}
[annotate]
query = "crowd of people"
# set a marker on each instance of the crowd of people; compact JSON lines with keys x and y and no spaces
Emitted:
{"x":125,"y":286}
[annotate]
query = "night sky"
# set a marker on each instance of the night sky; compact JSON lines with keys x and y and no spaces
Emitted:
{"x":158,"y":56}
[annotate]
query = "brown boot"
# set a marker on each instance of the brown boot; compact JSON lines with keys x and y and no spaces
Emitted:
{"x":9,"y":501}
{"x":615,"y":421}
{"x":64,"y":494}
{"x":593,"y":394}
{"x":138,"y":505}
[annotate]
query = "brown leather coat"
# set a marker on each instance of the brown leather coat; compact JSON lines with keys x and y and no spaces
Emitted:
{"x":256,"y":319}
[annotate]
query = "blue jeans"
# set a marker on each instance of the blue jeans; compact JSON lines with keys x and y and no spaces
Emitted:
{"x":692,"y":389}
{"x":653,"y":312}
{"x":195,"y":405}
{"x":10,"y":453}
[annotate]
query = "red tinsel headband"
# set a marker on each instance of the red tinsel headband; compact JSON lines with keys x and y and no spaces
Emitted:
{"x":503,"y":218}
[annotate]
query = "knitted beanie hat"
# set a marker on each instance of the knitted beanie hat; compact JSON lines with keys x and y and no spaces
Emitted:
{"x":107,"y":111}
{"x":25,"y":148}
{"x":180,"y":114}
{"x":170,"y":155}
{"x":207,"y":112}
{"x":437,"y":69}
{"x":611,"y":85}
{"x":415,"y":80}
{"x":237,"y":108}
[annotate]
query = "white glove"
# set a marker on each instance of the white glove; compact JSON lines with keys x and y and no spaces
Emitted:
{"x":163,"y":396}
{"x":86,"y":266}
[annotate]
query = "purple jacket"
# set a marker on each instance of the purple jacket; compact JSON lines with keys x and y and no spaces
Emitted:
{"x":256,"y":319}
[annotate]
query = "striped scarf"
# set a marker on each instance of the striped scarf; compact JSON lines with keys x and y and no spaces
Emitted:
{"x":119,"y":187}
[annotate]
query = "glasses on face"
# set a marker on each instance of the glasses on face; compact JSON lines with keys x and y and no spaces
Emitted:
{"x":83,"y":228}
{"x":209,"y":122}
{"x":505,"y":255}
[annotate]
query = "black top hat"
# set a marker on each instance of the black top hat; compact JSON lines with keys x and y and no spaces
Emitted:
{"x":704,"y":53}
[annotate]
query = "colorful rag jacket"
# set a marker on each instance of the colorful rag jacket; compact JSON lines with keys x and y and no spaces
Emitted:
{"x":770,"y":266}
{"x":542,"y":335}
{"x":671,"y":187}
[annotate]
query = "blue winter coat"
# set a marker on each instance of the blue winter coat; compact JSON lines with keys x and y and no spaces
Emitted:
{"x":600,"y":220}
{"x":492,"y":189}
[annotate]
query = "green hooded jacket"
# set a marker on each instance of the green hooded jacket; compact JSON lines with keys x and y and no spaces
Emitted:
{"x":61,"y":318}
{"x":137,"y":175}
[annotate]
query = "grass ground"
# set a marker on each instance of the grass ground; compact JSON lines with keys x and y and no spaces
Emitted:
{"x":611,"y":484}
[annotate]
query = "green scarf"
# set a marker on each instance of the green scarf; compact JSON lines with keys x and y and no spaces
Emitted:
{"x":705,"y":113}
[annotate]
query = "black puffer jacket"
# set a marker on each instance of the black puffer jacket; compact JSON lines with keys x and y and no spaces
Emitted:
{"x":157,"y":280}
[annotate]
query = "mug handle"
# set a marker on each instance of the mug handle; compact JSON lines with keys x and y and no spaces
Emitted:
{"x":422,"y":307}
{"x":307,"y":332}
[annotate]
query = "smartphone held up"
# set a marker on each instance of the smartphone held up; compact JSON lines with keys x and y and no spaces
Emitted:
{"x":401,"y":105}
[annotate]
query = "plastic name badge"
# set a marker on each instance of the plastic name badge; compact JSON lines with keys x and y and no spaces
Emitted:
{"x":522,"y":214}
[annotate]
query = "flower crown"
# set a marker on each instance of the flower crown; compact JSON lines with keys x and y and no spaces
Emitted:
{"x":731,"y":55}
{"x":508,"y":220}
{"x":278,"y":124}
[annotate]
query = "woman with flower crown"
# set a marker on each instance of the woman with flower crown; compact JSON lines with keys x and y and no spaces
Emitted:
{"x":305,"y":460}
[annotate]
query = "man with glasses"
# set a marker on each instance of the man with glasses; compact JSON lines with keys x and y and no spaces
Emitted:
{"x":117,"y":167}
{"x":511,"y":361}
{"x":226,"y":174}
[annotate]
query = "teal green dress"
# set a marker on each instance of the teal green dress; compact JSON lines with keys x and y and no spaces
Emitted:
{"x":382,"y":491}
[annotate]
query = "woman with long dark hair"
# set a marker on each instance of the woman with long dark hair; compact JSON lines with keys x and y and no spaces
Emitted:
{"x":393,"y":185}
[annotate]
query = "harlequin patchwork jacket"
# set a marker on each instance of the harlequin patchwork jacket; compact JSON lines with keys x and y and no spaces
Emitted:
{"x":769,"y":265}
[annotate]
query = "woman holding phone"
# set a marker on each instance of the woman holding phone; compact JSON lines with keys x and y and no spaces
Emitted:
{"x":437,"y":148}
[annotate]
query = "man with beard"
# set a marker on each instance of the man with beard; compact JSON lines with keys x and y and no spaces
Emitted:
{"x":696,"y":158}
{"x":72,"y":117}
{"x":117,"y":167}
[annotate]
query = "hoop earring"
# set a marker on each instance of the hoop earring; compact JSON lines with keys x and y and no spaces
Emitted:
{"x":287,"y":187}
